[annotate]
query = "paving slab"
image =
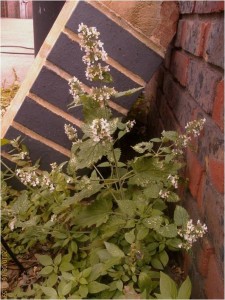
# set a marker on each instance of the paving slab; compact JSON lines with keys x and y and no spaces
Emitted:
{"x":17,"y":48}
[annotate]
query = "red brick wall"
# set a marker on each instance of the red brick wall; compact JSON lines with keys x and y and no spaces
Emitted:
{"x":190,"y":85}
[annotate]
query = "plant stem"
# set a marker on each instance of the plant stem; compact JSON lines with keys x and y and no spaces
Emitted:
{"x":118,"y":176}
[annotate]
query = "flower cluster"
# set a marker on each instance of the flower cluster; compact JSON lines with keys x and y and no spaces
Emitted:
{"x":28,"y":177}
{"x":75,"y":90}
{"x":102,"y":94}
{"x":191,"y":233}
{"x":194,"y":128}
{"x":164,"y":194}
{"x":174,"y":180}
{"x":31,"y":178}
{"x":100,"y":130}
{"x":191,"y":129}
{"x":129,"y":125}
{"x":71,"y":132}
{"x":94,"y":52}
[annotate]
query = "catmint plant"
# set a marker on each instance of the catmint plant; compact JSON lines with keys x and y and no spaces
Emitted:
{"x":101,"y":226}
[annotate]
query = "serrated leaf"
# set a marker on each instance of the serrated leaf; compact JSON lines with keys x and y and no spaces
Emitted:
{"x":172,"y":197}
{"x":66,"y":288}
{"x":46,"y":270}
{"x":168,"y":288}
{"x":153,"y":222}
{"x":130,"y":236}
{"x":142,"y":233}
{"x":73,"y":246}
{"x":66,"y":266}
{"x":114,"y":250}
{"x":57,"y":259}
{"x":95,"y":214}
{"x":44,"y":260}
{"x":50,"y":292}
{"x":83,"y":291}
{"x":128,"y":207}
{"x":168,"y":231}
{"x":95,"y":287}
{"x":128,"y":92}
{"x":22,"y":204}
{"x":52,"y":279}
{"x":152,"y":191}
{"x":181,"y":216}
{"x":184,"y":291}
{"x":170,"y":135}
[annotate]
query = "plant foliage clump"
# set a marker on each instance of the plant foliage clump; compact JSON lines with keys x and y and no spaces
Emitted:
{"x":99,"y":226}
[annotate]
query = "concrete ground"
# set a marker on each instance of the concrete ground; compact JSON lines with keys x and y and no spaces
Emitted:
{"x":17,"y":49}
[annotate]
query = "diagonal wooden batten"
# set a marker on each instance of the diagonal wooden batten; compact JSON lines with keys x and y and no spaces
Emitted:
{"x":37,"y":65}
{"x":41,"y":139}
{"x":151,"y":43}
{"x":63,"y":74}
{"x":134,"y":77}
{"x":55,"y":110}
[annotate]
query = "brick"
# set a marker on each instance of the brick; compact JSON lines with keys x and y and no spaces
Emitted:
{"x":201,"y":83}
{"x":179,"y":66}
{"x":216,"y":173}
{"x":193,"y":36}
{"x":214,"y":45}
{"x":218,"y":106}
{"x":214,"y":219}
{"x":180,"y":33}
{"x":194,"y":173}
{"x":203,"y":257}
{"x":214,"y":282}
{"x":200,"y":195}
{"x":179,"y":100}
{"x":208,"y":6}
{"x":186,"y":7}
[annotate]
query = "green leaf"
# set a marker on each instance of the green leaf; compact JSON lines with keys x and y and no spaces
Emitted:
{"x":52,"y":279}
{"x":57,"y":259}
{"x":152,"y":191}
{"x":128,"y":207}
{"x":168,"y":231}
{"x":114,"y":250}
{"x":164,"y":258}
{"x":83,"y":291}
{"x":97,"y":271}
{"x":44,"y":260}
{"x":128,"y":92}
{"x":173,"y":197}
{"x":95,"y":214}
{"x":66,"y":288}
{"x":73,"y":246}
{"x":22,"y":204}
{"x":119,"y":285}
{"x":130,"y":236}
{"x":66,"y":266}
{"x":156,"y":263}
{"x":4,"y":142}
{"x":144,"y":281}
{"x":184,"y":291}
{"x":104,"y":164}
{"x":181,"y":216}
{"x":168,"y":288}
{"x":50,"y":292}
{"x":142,"y":233}
{"x":46,"y":270}
{"x":95,"y":287}
{"x":86,"y":272}
{"x":170,"y":135}
{"x":153,"y":222}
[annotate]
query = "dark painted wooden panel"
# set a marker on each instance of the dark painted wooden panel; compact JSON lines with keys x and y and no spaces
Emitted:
{"x":44,"y":122}
{"x":118,"y":43}
{"x":55,"y":90}
{"x":37,"y":149}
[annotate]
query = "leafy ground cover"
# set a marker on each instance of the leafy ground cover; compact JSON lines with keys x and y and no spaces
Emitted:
{"x":100,"y":225}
